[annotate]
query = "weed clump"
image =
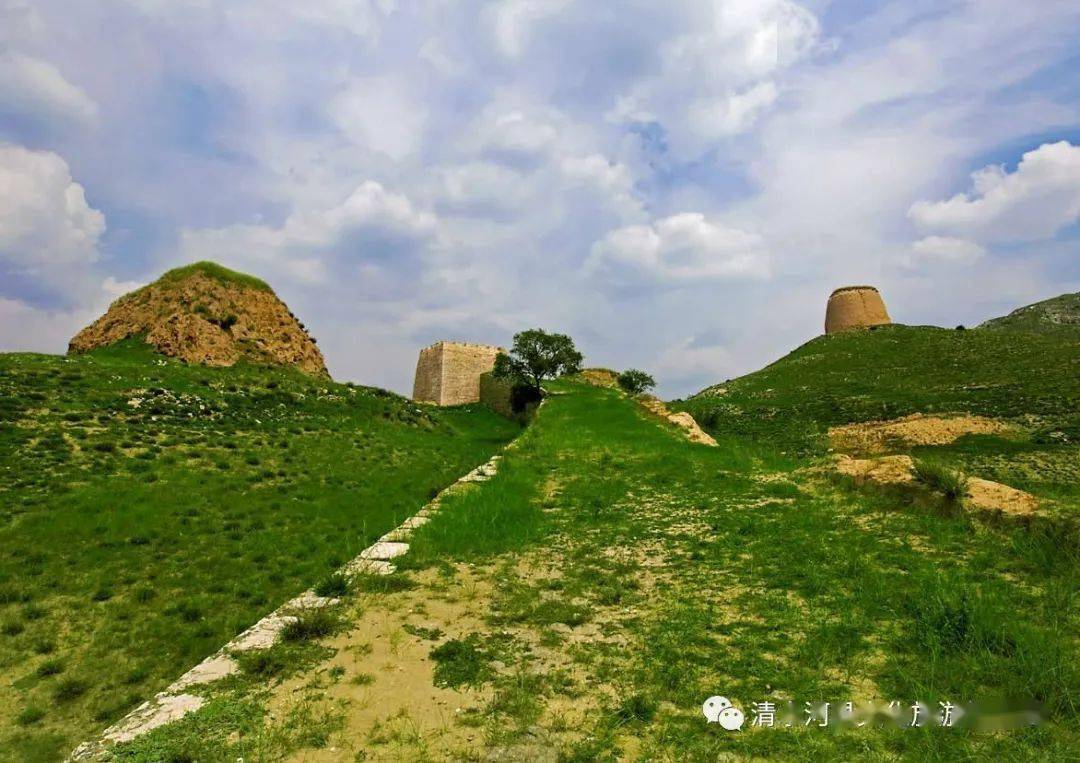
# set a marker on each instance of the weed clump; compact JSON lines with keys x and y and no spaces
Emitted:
{"x":335,"y":586}
{"x":951,"y":483}
{"x":311,"y":624}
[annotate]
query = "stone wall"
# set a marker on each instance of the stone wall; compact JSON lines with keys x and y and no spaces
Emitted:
{"x":497,"y":394}
{"x":853,"y":307}
{"x":448,"y":373}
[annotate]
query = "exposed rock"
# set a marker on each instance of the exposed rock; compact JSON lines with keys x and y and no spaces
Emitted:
{"x":853,"y":307}
{"x":984,"y":495}
{"x":682,"y":419}
{"x":599,"y":377}
{"x":916,"y":429}
{"x":207,"y":315}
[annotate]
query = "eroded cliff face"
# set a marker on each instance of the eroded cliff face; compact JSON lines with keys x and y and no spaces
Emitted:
{"x":202,"y":319}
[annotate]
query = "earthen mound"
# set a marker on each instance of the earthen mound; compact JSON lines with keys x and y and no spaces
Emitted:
{"x":916,"y":429}
{"x":599,"y":377}
{"x":207,"y":314}
{"x":852,"y":307}
{"x":682,"y":419}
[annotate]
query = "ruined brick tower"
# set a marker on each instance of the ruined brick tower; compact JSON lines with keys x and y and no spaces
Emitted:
{"x":448,"y":373}
{"x":852,"y":307}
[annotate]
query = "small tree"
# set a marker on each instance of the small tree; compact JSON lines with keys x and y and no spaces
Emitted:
{"x":635,"y":382}
{"x":537,"y":355}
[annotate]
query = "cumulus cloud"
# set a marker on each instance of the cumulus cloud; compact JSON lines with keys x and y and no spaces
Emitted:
{"x":378,"y":114}
{"x":1035,"y":201}
{"x":717,"y":81}
{"x":34,"y":87}
{"x":45,"y":220}
{"x":683,"y":248}
{"x":373,"y":228}
{"x":943,"y":250}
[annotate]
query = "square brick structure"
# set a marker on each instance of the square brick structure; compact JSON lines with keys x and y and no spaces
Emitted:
{"x":448,"y":373}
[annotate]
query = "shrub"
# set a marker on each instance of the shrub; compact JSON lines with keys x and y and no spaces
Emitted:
{"x":69,"y":689}
{"x":50,"y":668}
{"x":335,"y":586}
{"x":30,"y":715}
{"x":635,"y":382}
{"x":951,"y":483}
{"x":636,"y":707}
{"x":310,"y":624}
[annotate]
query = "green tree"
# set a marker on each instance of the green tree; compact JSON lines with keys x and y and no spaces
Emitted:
{"x":635,"y":382}
{"x":537,"y":355}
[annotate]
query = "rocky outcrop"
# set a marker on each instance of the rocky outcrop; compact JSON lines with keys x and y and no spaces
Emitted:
{"x":852,"y":307}
{"x":448,"y":373}
{"x":207,"y":315}
{"x":682,"y":419}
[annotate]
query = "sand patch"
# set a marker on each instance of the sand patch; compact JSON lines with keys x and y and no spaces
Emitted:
{"x":917,"y":429}
{"x":385,"y":680}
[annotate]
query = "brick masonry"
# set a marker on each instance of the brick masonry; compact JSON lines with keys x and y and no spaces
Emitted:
{"x":448,"y":373}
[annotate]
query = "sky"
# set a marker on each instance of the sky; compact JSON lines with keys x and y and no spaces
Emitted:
{"x":678,"y":186}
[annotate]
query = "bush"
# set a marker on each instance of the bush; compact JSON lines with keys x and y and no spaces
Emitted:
{"x":311,"y":624}
{"x":635,"y":382}
{"x":30,"y":715}
{"x":335,"y":586}
{"x":69,"y":689}
{"x":950,"y":482}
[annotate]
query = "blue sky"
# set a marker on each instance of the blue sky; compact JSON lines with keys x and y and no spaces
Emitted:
{"x":678,"y":185}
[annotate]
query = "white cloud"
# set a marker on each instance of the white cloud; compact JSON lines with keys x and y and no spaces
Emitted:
{"x":731,"y":114}
{"x":371,"y":227}
{"x":943,"y":250}
{"x":683,"y":248}
{"x":34,"y":87}
{"x":45,"y":221}
{"x":511,"y":21}
{"x":378,"y":114}
{"x":114,"y":288}
{"x":1038,"y":199}
{"x":716,"y":81}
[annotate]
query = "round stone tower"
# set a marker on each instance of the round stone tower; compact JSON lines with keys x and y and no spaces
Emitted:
{"x":853,"y":307}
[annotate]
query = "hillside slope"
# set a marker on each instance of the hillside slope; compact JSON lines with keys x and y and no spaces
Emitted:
{"x":1061,"y":312}
{"x":150,"y":510}
{"x":209,"y":315}
{"x":898,"y":370}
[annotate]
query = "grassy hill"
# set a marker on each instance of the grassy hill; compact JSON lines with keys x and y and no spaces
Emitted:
{"x":1024,"y":371}
{"x":150,"y":510}
{"x":897,"y":370}
{"x":1059,"y":313}
{"x":585,"y":602}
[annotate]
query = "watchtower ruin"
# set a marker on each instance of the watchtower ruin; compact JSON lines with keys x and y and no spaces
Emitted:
{"x":852,"y":307}
{"x":448,"y":373}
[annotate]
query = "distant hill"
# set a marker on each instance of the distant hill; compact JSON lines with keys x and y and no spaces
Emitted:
{"x":893,"y":371}
{"x":1061,"y":312}
{"x":209,"y":315}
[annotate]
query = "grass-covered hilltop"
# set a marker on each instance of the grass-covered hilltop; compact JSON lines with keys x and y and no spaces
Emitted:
{"x":205,"y":313}
{"x":881,"y":515}
{"x":151,"y":509}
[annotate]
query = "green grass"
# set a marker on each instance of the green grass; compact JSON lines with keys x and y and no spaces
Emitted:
{"x":818,"y":596}
{"x":893,"y":371}
{"x":951,"y":483}
{"x":136,"y":539}
{"x":212,"y":270}
{"x":662,"y":573}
